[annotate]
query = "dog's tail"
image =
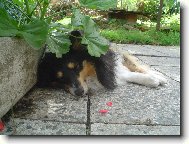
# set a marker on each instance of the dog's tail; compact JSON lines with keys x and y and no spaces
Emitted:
{"x":132,"y":63}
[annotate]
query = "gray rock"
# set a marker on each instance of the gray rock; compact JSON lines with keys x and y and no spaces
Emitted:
{"x":18,"y":68}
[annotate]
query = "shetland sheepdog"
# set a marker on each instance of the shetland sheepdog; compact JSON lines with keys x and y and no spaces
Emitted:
{"x":72,"y":71}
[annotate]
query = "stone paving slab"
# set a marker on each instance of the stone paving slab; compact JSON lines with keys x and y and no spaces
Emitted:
{"x":136,"y":104}
{"x":122,"y":129}
{"x":136,"y":49}
{"x":51,"y":104}
{"x":38,"y":127}
{"x":172,"y":72}
{"x":160,"y":61}
{"x":173,"y":51}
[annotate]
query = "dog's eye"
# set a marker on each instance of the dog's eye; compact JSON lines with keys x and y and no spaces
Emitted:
{"x":59,"y":74}
{"x":71,"y":65}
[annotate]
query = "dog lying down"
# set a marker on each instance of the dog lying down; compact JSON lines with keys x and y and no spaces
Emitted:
{"x":74,"y":71}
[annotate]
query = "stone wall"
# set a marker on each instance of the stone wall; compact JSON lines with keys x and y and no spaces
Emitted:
{"x":18,"y":69}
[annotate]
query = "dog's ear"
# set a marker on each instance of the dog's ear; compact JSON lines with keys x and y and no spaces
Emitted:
{"x":76,"y":38}
{"x":105,"y":70}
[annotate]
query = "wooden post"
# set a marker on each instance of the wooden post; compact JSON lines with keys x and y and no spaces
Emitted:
{"x":159,"y":15}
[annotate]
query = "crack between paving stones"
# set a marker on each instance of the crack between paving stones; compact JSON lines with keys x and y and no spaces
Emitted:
{"x":159,"y":50}
{"x":88,"y":124}
{"x":167,"y":75}
{"x":136,"y":124}
{"x":168,"y":66}
{"x":49,"y":120}
{"x":155,"y":56}
{"x":159,"y":70}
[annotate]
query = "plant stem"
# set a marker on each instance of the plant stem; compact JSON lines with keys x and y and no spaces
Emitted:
{"x":44,"y":9}
{"x":27,"y":7}
{"x":38,"y":4}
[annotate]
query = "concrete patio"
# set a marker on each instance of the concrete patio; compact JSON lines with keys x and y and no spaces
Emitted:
{"x":135,"y":110}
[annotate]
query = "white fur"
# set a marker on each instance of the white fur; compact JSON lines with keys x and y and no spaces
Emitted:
{"x":150,"y":78}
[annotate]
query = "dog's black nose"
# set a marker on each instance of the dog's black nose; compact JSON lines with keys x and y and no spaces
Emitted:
{"x":79,"y":92}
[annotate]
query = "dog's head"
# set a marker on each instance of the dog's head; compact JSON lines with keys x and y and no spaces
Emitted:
{"x":74,"y":67}
{"x":72,"y":73}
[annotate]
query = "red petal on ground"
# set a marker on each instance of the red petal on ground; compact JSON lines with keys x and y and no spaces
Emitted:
{"x":2,"y":126}
{"x":109,"y":103}
{"x":103,"y":111}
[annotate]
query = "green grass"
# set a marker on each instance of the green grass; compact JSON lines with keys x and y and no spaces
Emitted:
{"x":151,"y":37}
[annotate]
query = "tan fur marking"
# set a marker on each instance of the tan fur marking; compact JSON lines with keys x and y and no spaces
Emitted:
{"x":88,"y":70}
{"x":71,"y":65}
{"x":131,"y":63}
{"x":59,"y":74}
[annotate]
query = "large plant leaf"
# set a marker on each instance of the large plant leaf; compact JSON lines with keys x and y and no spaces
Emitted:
{"x":97,"y":44}
{"x":99,"y":4}
{"x":35,"y":33}
{"x":58,"y":43}
{"x":77,"y":18}
{"x":20,"y":3}
{"x":8,"y":26}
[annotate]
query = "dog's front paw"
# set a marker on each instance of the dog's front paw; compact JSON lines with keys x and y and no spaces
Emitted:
{"x":158,"y":77}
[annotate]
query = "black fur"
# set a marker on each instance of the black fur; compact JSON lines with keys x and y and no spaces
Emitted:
{"x":105,"y":70}
{"x":50,"y":65}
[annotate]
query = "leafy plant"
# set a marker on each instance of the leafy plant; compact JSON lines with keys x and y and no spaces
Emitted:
{"x":97,"y":45}
{"x":32,"y":23}
{"x":34,"y":32}
{"x":151,"y":7}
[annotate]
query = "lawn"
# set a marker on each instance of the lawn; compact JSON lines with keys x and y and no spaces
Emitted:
{"x":151,"y":37}
{"x":143,"y":32}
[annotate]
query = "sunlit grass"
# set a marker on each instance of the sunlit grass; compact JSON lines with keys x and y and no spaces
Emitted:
{"x":137,"y":37}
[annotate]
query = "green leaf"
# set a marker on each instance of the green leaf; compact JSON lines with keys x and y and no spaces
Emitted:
{"x":58,"y":43}
{"x":20,"y":3}
{"x":35,"y":33}
{"x":77,"y":18}
{"x":97,"y":44}
{"x":8,"y":26}
{"x":99,"y":4}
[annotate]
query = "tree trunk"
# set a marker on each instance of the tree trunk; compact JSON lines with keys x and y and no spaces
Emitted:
{"x":159,"y":15}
